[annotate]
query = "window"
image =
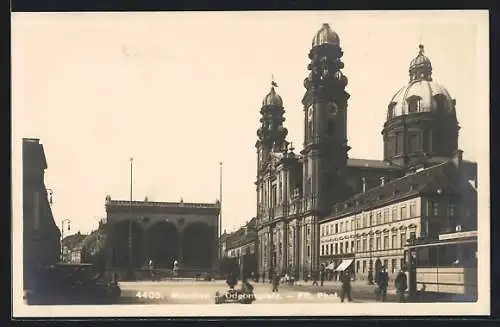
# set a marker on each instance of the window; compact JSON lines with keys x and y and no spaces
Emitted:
{"x":386,"y":242}
{"x":322,"y":250}
{"x":364,"y":245}
{"x":371,"y":219}
{"x":414,"y":143}
{"x":413,"y":105}
{"x":432,"y":208}
{"x":398,"y":149}
{"x":331,"y":248}
{"x":357,"y":267}
{"x":341,"y":229}
{"x":394,"y":241}
{"x":379,"y":218}
{"x":346,"y":247}
{"x":386,"y":216}
{"x":412,"y":210}
{"x":358,"y":245}
{"x":322,"y":230}
{"x":352,"y":246}
{"x":308,"y":230}
{"x":394,"y":214}
{"x":386,"y":264}
{"x":412,"y":235}
{"x":341,"y":247}
{"x":365,"y":221}
{"x":336,"y":228}
{"x":364,"y":266}
{"x":353,"y":224}
{"x":358,"y":222}
{"x":403,"y":239}
{"x":371,"y":244}
{"x":378,"y":245}
{"x":328,"y":229}
{"x":403,"y":213}
{"x":336,"y":248}
{"x":451,"y":210}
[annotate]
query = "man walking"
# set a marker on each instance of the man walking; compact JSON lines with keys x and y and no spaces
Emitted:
{"x":345,"y":290}
{"x":383,"y":283}
{"x":275,"y":280}
{"x":401,"y":284}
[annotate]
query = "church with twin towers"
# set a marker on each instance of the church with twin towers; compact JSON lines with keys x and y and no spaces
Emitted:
{"x":299,"y":190}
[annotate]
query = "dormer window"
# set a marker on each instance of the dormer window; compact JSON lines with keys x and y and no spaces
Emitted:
{"x":390,"y":111}
{"x":413,"y":104}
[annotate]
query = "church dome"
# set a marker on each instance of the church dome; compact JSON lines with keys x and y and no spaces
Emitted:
{"x":421,"y":94}
{"x":325,"y":36}
{"x":272,"y":99}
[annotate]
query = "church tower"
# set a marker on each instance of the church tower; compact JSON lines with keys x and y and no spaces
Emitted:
{"x":325,"y":124}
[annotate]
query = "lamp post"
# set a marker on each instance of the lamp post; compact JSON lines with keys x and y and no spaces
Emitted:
{"x":50,"y":193}
{"x":130,"y":270}
{"x":62,"y":236}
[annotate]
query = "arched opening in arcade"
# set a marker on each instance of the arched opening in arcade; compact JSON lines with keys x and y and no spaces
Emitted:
{"x":163,"y":244}
{"x":198,"y":245}
{"x":120,"y":244}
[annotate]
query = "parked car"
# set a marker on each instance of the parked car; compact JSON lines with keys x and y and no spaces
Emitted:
{"x":73,"y":284}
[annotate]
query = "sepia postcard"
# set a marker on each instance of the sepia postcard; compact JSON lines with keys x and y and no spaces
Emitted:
{"x":203,"y":164}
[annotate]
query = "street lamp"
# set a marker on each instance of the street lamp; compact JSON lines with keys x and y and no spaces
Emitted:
{"x":51,"y":192}
{"x":62,"y":236}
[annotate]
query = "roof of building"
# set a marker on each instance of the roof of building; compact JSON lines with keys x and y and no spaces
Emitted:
{"x":325,"y":35}
{"x":244,"y":235}
{"x":152,"y":206}
{"x":444,"y":178}
{"x":372,"y":163}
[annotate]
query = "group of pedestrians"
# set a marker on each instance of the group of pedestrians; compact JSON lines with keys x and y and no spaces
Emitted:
{"x":382,"y":280}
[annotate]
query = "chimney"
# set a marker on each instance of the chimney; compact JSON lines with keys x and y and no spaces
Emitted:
{"x":363,"y":180}
{"x":382,"y":181}
{"x":457,"y":158}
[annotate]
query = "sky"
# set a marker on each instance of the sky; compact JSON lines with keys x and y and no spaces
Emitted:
{"x":180,"y":92}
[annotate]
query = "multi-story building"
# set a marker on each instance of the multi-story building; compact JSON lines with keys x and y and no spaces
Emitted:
{"x":41,"y":236}
{"x":295,"y":192}
{"x":372,"y":228}
{"x":240,"y":250}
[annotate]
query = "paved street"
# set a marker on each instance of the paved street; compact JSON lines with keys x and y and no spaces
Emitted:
{"x":197,"y":292}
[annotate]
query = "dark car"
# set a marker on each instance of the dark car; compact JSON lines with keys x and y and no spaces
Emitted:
{"x":73,"y":284}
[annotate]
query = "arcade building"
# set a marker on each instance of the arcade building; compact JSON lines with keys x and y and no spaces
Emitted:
{"x":299,"y":194}
{"x":162,"y":232}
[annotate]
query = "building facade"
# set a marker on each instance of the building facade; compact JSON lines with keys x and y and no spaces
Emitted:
{"x":372,"y":228}
{"x":240,"y":251}
{"x":163,"y":232}
{"x":41,"y":236}
{"x":297,"y":191}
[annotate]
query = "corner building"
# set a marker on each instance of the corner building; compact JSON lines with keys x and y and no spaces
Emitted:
{"x":298,"y":191}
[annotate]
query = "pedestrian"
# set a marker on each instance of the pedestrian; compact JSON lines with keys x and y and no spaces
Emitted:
{"x":370,"y":277}
{"x":401,"y":284}
{"x":345,"y":290}
{"x":383,"y":283}
{"x":263,"y":277}
{"x":322,"y":277}
{"x":257,"y":277}
{"x":315,"y":278}
{"x":275,"y":282}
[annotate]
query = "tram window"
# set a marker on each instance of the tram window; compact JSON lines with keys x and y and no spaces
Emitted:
{"x":423,"y":257}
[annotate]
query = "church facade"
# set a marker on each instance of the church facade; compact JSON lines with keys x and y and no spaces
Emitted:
{"x":297,"y":192}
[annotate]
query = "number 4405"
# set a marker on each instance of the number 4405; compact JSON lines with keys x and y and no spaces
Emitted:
{"x":148,"y":295}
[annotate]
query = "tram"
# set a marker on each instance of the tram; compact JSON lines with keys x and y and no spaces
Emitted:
{"x":443,"y":269}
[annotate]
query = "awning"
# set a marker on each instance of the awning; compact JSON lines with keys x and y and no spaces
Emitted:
{"x":344,"y":265}
{"x":330,"y":266}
